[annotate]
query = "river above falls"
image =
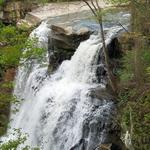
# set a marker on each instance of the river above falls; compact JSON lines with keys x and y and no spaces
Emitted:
{"x":86,"y":19}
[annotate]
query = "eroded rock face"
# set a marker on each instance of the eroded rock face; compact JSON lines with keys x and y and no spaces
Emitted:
{"x":67,"y":38}
{"x":114,"y":53}
{"x":15,"y":10}
{"x":100,"y":130}
{"x":63,"y":43}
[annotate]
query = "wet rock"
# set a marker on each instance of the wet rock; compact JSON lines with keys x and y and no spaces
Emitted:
{"x":109,"y":146}
{"x":114,"y":49}
{"x":101,"y":128}
{"x":114,"y":53}
{"x":79,"y":145}
{"x":67,"y":38}
{"x":101,"y":93}
{"x":63,"y":43}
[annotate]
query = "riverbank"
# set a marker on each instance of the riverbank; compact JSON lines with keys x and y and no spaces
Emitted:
{"x":52,"y":10}
{"x":62,"y":8}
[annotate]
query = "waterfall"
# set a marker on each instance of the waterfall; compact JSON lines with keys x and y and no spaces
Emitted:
{"x":57,"y":111}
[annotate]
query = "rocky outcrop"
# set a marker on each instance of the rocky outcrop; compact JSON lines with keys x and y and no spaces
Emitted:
{"x":111,"y":129}
{"x":101,"y":124}
{"x":63,"y":43}
{"x":16,"y":10}
{"x":114,"y":49}
{"x":114,"y":53}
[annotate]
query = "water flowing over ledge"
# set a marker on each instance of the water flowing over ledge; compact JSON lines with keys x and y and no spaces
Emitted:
{"x":60,"y":112}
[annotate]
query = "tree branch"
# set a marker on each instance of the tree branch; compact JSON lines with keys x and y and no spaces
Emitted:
{"x":90,"y":8}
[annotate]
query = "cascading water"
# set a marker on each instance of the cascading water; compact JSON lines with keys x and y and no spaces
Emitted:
{"x":58,"y":111}
{"x":30,"y":66}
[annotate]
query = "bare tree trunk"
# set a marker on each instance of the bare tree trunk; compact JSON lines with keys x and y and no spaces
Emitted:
{"x":96,"y":10}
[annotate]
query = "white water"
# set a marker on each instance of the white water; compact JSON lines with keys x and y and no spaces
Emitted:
{"x":54,"y":109}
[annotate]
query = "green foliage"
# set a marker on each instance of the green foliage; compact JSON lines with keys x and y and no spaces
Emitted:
{"x":135,"y":65}
{"x":135,"y":93}
{"x":118,"y":1}
{"x":12,"y":41}
{"x":47,"y":1}
{"x":11,"y":35}
{"x":146,"y":57}
{"x":127,"y":72}
{"x":33,"y":50}
{"x":1,"y":2}
{"x":9,"y":85}
{"x":7,"y":34}
{"x":18,"y":140}
{"x":12,"y":44}
{"x":148,"y":71}
{"x":10,"y":56}
{"x":139,"y":124}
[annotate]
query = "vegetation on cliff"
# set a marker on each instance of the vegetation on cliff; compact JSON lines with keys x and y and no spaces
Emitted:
{"x":134,"y":91}
{"x":135,"y":77}
{"x":11,"y":42}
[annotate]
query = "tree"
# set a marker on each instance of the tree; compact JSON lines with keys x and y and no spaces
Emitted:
{"x":97,"y":12}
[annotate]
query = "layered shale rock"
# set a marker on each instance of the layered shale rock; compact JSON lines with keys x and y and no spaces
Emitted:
{"x":63,"y":43}
{"x":13,"y":11}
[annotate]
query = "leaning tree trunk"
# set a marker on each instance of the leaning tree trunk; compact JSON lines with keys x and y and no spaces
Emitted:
{"x":96,"y":10}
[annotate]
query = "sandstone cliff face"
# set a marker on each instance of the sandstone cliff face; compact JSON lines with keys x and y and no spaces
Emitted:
{"x":63,"y":43}
{"x":15,"y":10}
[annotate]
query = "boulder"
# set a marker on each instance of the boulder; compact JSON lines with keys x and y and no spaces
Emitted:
{"x":63,"y":43}
{"x":67,"y":38}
